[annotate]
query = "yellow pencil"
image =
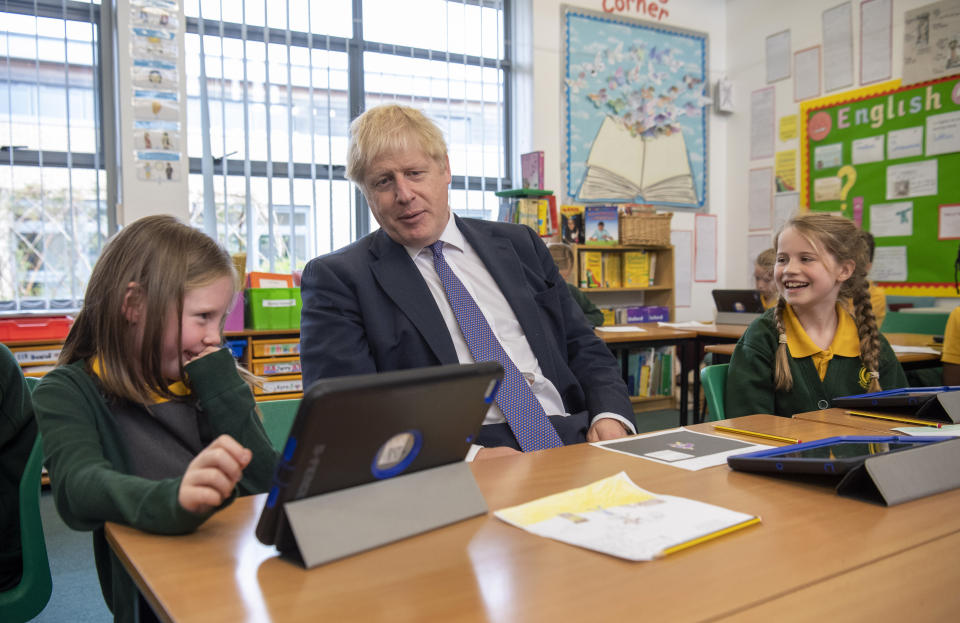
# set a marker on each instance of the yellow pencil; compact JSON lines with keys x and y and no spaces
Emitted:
{"x":752,"y":433}
{"x":896,"y":418}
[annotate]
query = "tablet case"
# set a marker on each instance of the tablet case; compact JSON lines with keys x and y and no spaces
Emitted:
{"x":905,"y":475}
{"x":937,"y":404}
{"x":332,"y":495}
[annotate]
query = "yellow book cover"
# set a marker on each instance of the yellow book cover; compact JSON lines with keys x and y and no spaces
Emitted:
{"x":543,"y":217}
{"x":609,"y":316}
{"x":636,"y":269}
{"x":527,"y":213}
{"x":591,"y":269}
{"x":612,"y":274}
{"x":644,"y":388}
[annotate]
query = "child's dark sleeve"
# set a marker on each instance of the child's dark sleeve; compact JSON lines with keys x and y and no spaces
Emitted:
{"x":749,"y":387}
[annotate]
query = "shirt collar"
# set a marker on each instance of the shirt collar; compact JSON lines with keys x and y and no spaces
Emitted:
{"x":177,"y":389}
{"x":451,"y":236}
{"x":846,"y":341}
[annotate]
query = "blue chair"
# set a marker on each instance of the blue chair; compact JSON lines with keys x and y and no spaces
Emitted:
{"x":278,"y":416}
{"x":714,"y":381}
{"x":28,"y":598}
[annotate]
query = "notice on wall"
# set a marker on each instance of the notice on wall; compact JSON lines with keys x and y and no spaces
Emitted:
{"x":905,"y":143}
{"x":761,"y":123}
{"x":931,"y":42}
{"x":868,"y":149}
{"x":837,"y":25}
{"x":785,"y":206}
{"x":889,"y":264}
{"x":760,"y":194}
{"x":949,"y":222}
{"x":788,"y":127}
{"x":876,"y":40}
{"x":806,"y":73}
{"x":705,"y":247}
{"x":891,"y":219}
{"x":914,"y":179}
{"x":943,"y":133}
{"x":682,"y":241}
{"x":785,"y":165}
{"x":778,"y":56}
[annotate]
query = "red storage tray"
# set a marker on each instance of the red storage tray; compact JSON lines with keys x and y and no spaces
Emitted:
{"x":40,"y":328}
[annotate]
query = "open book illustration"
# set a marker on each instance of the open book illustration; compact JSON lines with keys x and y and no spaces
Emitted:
{"x":628,"y":166}
{"x":614,"y":516}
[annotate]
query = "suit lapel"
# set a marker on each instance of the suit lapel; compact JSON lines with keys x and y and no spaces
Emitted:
{"x":401,"y":281}
{"x":504,"y":265}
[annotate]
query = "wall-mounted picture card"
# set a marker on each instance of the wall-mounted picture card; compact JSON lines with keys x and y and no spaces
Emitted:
{"x":153,"y":48}
{"x":158,"y":171}
{"x":154,"y":78}
{"x":148,"y":14}
{"x":165,"y":140}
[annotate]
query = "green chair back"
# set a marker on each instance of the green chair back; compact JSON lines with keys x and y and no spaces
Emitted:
{"x":28,"y":598}
{"x":714,"y":381}
{"x":933,"y":323}
{"x":278,"y":416}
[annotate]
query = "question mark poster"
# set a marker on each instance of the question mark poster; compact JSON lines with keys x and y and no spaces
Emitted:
{"x":887,"y":157}
{"x":635,"y":111}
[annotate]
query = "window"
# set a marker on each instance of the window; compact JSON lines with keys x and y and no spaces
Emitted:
{"x":279,"y":96}
{"x":53,"y":215}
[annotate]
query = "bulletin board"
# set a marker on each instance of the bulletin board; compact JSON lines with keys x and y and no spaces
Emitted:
{"x":888,"y":157}
{"x":635,"y":110}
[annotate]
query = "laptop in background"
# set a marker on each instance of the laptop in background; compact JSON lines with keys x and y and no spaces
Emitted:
{"x":737,"y":306}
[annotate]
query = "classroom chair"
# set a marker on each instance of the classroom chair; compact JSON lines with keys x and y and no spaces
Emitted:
{"x":28,"y":598}
{"x":714,"y":381}
{"x":278,"y":417}
{"x":932,"y":323}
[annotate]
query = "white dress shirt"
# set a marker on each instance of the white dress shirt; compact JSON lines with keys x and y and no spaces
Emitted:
{"x":470,"y":269}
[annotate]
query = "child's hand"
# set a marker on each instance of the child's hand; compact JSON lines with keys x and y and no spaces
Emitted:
{"x":212,"y":475}
{"x":212,"y":348}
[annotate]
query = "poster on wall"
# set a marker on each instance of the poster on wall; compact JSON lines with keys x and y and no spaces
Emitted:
{"x":931,"y":42}
{"x":635,"y":111}
{"x":887,"y":157}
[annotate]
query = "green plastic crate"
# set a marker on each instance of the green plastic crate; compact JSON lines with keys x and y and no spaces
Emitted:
{"x":273,"y":308}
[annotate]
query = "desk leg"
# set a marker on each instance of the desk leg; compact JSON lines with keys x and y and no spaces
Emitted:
{"x":696,"y":356}
{"x":682,"y":348}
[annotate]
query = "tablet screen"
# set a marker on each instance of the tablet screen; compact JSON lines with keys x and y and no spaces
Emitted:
{"x":847,"y":450}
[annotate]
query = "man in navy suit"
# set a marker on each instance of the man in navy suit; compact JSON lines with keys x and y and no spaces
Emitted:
{"x":379,"y":305}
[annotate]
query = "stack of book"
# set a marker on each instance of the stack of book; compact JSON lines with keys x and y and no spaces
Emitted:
{"x":650,"y":371}
{"x":536,"y":209}
{"x":617,"y":269}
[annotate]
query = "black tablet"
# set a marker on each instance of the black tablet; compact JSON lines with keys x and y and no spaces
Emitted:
{"x":357,"y":429}
{"x":830,"y":456}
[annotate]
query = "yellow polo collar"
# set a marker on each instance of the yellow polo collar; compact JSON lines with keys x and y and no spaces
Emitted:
{"x":177,"y":389}
{"x":846,"y":341}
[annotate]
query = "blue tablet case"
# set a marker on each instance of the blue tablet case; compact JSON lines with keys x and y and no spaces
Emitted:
{"x":937,"y":404}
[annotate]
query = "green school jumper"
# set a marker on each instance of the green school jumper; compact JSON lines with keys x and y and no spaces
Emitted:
{"x":750,"y":383}
{"x":90,"y":468}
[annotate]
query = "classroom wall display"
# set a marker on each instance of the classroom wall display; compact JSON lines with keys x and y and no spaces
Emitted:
{"x":931,"y":41}
{"x":635,"y":110}
{"x":888,"y":157}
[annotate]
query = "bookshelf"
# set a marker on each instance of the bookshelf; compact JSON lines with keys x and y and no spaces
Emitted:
{"x":660,"y":293}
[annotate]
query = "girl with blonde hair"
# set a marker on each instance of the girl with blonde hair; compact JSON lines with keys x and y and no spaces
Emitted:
{"x":809,"y":349}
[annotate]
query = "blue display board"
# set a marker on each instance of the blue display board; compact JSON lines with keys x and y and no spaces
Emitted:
{"x":635,"y":111}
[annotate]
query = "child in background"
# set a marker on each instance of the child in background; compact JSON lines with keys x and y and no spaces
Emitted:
{"x":951,"y":349}
{"x":146,"y":420}
{"x":808,"y":349}
{"x":18,"y":430}
{"x":763,"y":277}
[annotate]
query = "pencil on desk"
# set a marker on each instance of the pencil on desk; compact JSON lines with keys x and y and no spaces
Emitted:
{"x":751,"y":433}
{"x":895,"y":418}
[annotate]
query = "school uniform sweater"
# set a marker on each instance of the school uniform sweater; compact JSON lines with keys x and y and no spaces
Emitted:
{"x":89,"y":461}
{"x":18,"y":430}
{"x":750,"y":384}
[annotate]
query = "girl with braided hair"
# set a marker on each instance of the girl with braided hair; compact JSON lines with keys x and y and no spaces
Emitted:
{"x":809,"y":348}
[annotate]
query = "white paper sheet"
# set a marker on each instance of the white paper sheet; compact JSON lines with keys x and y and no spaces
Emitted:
{"x":876,"y":40}
{"x":705,"y":251}
{"x":837,"y":47}
{"x":761,"y":123}
{"x":914,"y":179}
{"x":760,"y":195}
{"x":868,"y":149}
{"x":905,"y":143}
{"x":949,"y":222}
{"x":947,"y":430}
{"x":926,"y":350}
{"x":756,"y":244}
{"x":891,"y":219}
{"x":806,"y":73}
{"x":690,"y":450}
{"x":785,"y":205}
{"x":943,"y":133}
{"x":618,"y":329}
{"x":828,"y":156}
{"x":889,"y":264}
{"x":778,"y":56}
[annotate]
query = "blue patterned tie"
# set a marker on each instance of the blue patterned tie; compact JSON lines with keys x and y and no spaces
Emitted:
{"x":530,"y":425}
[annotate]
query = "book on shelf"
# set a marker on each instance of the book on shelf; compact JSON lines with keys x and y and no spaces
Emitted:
{"x":601,"y":225}
{"x":609,"y":316}
{"x":531,"y":169}
{"x":537,"y":211}
{"x":647,"y":313}
{"x":612,"y":274}
{"x":624,"y":165}
{"x":591,"y":269}
{"x":571,"y":218}
{"x":636,"y":269}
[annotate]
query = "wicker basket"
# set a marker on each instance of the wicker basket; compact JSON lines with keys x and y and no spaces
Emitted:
{"x":645,"y":227}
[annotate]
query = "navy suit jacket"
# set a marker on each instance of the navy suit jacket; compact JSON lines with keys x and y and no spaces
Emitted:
{"x":366,"y":309}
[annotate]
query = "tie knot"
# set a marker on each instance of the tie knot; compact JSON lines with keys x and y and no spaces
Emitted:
{"x":436,"y":248}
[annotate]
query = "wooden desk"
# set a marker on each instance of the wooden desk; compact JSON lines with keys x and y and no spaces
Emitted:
{"x":907,"y":360}
{"x":860,"y":425}
{"x":485,"y":570}
{"x":651,"y":334}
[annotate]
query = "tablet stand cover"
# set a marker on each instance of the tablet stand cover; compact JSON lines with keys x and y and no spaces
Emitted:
{"x":336,"y":524}
{"x":905,"y":475}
